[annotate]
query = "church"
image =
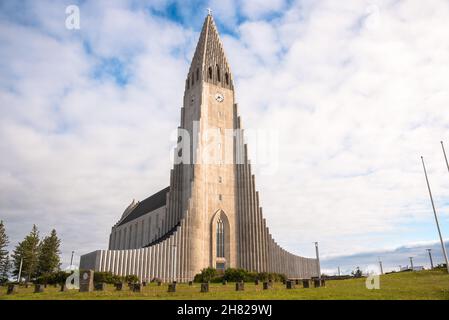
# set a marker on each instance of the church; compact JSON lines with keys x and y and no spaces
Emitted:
{"x":209,"y":215}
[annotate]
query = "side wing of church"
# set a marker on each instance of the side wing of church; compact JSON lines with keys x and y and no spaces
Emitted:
{"x":210,"y":215}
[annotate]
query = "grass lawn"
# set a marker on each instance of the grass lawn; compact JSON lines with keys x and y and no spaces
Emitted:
{"x":406,"y":285}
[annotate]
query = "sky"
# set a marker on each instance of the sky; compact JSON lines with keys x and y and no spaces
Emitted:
{"x":345,"y":96}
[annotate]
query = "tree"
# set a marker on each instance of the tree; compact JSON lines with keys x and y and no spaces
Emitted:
{"x":357,"y":273}
{"x":4,"y":255}
{"x":207,"y":274}
{"x":49,"y":261}
{"x":28,"y":250}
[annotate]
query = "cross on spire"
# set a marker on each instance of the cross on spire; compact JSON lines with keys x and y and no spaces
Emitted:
{"x":209,"y":11}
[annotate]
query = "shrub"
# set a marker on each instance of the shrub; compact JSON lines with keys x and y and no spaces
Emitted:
{"x":206,"y":275}
{"x":53,"y":278}
{"x":131,"y":278}
{"x":107,"y":277}
{"x":236,"y":275}
{"x":357,"y":273}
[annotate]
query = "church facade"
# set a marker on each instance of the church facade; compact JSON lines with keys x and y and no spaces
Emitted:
{"x":210,"y":215}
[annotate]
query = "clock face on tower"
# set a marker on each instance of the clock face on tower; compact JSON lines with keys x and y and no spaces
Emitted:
{"x":219,"y":97}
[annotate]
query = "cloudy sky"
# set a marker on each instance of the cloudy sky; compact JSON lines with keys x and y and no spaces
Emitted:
{"x":350,"y":94}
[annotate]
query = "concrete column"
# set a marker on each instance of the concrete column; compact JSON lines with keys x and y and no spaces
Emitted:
{"x":249,"y":252}
{"x":254,"y":226}
{"x":101,"y":260}
{"x":170,"y":252}
{"x":163,"y":260}
{"x":119,"y":262}
{"x":264,"y":243}
{"x":144,"y":264}
{"x":243,"y":218}
{"x":244,"y":213}
{"x":139,"y":258}
{"x":238,"y":214}
{"x":151,"y":263}
{"x":160,"y":257}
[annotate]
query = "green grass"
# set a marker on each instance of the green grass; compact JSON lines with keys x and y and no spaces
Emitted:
{"x":408,"y":285}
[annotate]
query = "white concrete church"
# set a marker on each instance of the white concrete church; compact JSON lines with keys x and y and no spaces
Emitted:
{"x":209,"y":216}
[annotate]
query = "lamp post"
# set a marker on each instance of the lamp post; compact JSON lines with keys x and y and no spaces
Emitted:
{"x":71,"y":260}
{"x":20,"y":270}
{"x":318,"y":260}
{"x":381,"y":267}
{"x":430,"y":257}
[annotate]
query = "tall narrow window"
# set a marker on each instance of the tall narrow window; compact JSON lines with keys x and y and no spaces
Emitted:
{"x":227,"y":78}
{"x":218,"y":73}
{"x":220,"y":239}
{"x":193,"y":79}
{"x":197,"y":74}
{"x":188,"y":83}
{"x":210,"y":72}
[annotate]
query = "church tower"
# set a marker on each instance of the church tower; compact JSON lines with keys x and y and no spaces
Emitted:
{"x":208,"y":120}
{"x":210,"y":215}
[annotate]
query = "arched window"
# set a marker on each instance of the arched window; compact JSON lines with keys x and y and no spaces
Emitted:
{"x":210,"y":72}
{"x":218,"y":73}
{"x":193,"y":79}
{"x":188,"y":84}
{"x":220,"y":239}
{"x":227,"y":78}
{"x":197,"y":74}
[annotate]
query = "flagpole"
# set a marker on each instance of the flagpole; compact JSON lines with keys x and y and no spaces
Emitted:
{"x":436,"y":217}
{"x":445,"y":157}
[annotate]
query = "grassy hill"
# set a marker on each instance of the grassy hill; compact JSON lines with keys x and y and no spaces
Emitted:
{"x":407,"y":285}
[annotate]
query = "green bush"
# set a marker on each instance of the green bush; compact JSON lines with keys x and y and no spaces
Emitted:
{"x":132,"y":278}
{"x":107,"y":277}
{"x":236,"y":275}
{"x":53,"y":278}
{"x":206,"y":275}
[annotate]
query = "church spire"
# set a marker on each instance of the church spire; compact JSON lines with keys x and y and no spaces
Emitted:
{"x":209,"y":63}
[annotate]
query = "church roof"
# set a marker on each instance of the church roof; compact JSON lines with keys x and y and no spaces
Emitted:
{"x":151,"y":203}
{"x":209,"y":56}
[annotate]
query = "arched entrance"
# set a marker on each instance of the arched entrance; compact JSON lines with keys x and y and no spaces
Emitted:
{"x":220,"y":241}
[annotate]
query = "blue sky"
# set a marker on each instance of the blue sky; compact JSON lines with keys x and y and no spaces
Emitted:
{"x":351,"y":94}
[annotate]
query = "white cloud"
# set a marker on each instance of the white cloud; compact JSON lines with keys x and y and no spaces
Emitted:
{"x":356,"y":93}
{"x":254,"y":9}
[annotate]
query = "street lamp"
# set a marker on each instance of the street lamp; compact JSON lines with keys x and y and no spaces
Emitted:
{"x":430,"y":257}
{"x":381,"y":267}
{"x":20,"y":271}
{"x":71,"y":260}
{"x":318,"y":260}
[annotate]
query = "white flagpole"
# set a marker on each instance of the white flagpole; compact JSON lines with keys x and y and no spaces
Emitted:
{"x":436,"y":217}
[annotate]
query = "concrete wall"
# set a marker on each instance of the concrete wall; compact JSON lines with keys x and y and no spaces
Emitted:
{"x":139,"y":232}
